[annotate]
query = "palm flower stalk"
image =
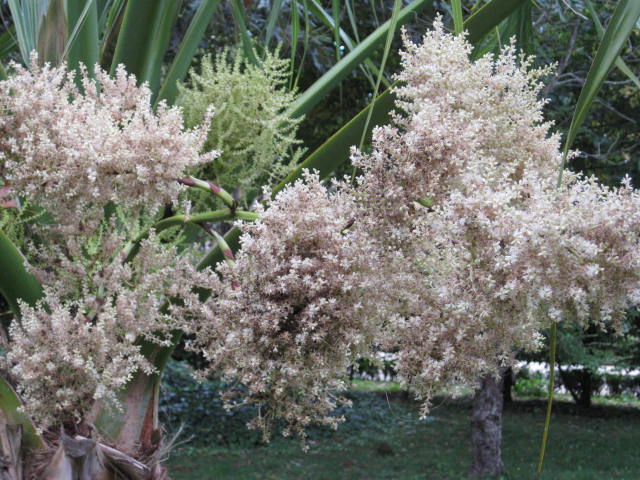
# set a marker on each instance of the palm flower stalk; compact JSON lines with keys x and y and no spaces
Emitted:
{"x":210,"y":187}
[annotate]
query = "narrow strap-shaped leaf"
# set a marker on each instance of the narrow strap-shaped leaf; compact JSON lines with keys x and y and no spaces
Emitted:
{"x":8,"y":43}
{"x":187,"y":49}
{"x":295,"y":32}
{"x":83,"y":45}
{"x":110,"y":22}
{"x":9,"y":409}
{"x":245,"y":37}
{"x":387,"y":47}
{"x":622,"y":22}
{"x":488,"y":17}
{"x":16,"y":283}
{"x":26,"y":17}
{"x":519,"y":24}
{"x":144,"y":37}
{"x":325,"y":18}
{"x":456,"y":12}
{"x":352,"y":19}
{"x":620,"y":64}
{"x":550,"y":390}
{"x":271,"y":21}
{"x":314,"y":94}
{"x":52,"y":33}
{"x":335,"y":151}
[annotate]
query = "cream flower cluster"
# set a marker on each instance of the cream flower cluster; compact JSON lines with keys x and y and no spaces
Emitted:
{"x":82,"y":342}
{"x":75,"y":146}
{"x":484,"y":249}
{"x":293,"y":313}
{"x":73,"y":150}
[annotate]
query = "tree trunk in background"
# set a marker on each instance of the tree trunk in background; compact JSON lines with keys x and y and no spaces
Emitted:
{"x":586,"y":387}
{"x":486,"y":428}
{"x":508,"y":381}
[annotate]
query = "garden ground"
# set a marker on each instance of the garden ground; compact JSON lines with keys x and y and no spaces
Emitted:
{"x":383,"y":438}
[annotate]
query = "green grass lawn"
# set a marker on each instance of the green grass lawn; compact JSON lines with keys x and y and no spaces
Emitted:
{"x":383,"y":438}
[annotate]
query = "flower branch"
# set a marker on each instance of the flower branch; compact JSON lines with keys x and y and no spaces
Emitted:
{"x":221,"y":215}
{"x":211,"y":188}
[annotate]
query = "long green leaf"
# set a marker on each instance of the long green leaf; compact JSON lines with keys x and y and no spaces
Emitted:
{"x":52,"y":33}
{"x":10,"y":407}
{"x":26,"y":19}
{"x":16,"y":283}
{"x":188,"y":47}
{"x":520,"y":25}
{"x":245,"y":36}
{"x":8,"y":42}
{"x":314,"y":94}
{"x":620,"y":26}
{"x":456,"y":12}
{"x":271,"y":21}
{"x":387,"y":47}
{"x":83,"y":45}
{"x":488,"y":17}
{"x":335,"y":151}
{"x":324,"y":17}
{"x":144,"y":37}
{"x":620,"y":64}
{"x":110,"y":23}
{"x":295,"y":32}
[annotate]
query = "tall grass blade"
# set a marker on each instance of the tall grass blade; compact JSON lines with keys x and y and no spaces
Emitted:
{"x":26,"y":15}
{"x":352,"y":19}
{"x":547,"y":421}
{"x":307,"y":36}
{"x":324,"y":17}
{"x":387,"y":47}
{"x":110,"y":23}
{"x":295,"y":32}
{"x":520,"y":25}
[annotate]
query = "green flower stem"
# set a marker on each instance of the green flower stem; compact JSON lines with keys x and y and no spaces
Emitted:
{"x":222,"y":244}
{"x":552,"y":371}
{"x":211,"y":188}
{"x":182,"y":219}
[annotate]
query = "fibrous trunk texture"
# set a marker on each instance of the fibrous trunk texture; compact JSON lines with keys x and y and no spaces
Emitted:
{"x":81,"y":458}
{"x":76,"y":458}
{"x":486,"y":428}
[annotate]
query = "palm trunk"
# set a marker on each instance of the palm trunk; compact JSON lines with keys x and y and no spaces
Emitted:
{"x":81,"y":458}
{"x":486,"y":428}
